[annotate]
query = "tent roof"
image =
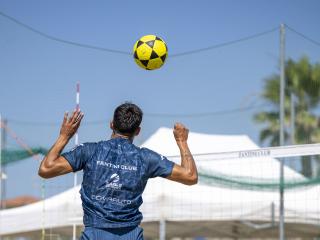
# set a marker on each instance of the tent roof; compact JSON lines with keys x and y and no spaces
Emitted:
{"x":198,"y":142}
{"x":162,"y":141}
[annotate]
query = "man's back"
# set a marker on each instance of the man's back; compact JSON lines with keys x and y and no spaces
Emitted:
{"x":115,"y":175}
{"x":116,"y":172}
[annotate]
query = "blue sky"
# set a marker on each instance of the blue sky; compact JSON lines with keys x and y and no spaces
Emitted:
{"x":38,"y":76}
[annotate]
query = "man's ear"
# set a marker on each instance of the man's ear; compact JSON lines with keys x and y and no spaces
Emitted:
{"x":136,"y":133}
{"x":111,"y":125}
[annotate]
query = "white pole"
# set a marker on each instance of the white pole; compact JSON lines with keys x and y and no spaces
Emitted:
{"x":75,"y":177}
{"x":281,"y":140}
{"x":43,"y":230}
{"x":162,"y":229}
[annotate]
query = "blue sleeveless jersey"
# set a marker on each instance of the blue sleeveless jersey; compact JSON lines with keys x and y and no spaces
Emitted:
{"x":115,"y":173}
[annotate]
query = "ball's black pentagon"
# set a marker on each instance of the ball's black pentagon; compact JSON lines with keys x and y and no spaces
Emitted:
{"x":157,"y":38}
{"x":150,"y":43}
{"x":139,"y":43}
{"x":144,"y":62}
{"x":135,"y":55}
{"x":154,"y":55}
{"x":163,"y":58}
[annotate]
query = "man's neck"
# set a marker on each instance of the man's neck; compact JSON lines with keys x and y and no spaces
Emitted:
{"x":118,"y":135}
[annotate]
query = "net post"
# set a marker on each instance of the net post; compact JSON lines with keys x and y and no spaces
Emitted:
{"x":43,"y":197}
{"x":292,"y":118}
{"x":281,"y":135}
{"x":75,"y":176}
{"x":272,"y":214}
{"x":162,"y":229}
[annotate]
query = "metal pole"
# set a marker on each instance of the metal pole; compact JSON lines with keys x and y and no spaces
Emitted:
{"x":75,"y":177}
{"x":272,"y":214}
{"x":281,"y":140}
{"x":0,"y":169}
{"x":162,"y":229}
{"x":292,"y":118}
{"x":3,"y":168}
{"x":292,"y":163}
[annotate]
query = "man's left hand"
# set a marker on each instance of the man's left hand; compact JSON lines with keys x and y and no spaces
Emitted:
{"x":71,"y":124}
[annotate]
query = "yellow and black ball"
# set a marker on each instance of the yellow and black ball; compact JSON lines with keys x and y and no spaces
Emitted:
{"x":150,"y":52}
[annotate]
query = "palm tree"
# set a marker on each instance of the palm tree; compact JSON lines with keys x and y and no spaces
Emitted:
{"x":302,"y":80}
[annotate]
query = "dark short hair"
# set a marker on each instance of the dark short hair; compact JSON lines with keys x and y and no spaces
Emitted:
{"x":127,"y":118}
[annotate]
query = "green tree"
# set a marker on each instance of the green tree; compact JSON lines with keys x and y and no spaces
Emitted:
{"x":303,"y":80}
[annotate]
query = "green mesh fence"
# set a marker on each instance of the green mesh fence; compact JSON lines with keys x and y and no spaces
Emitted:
{"x":10,"y":156}
{"x":251,"y":183}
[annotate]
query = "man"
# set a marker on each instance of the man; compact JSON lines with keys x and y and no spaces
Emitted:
{"x":115,"y":172}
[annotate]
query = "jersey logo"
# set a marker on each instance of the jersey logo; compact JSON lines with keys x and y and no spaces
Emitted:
{"x":114,"y":178}
{"x":113,"y":182}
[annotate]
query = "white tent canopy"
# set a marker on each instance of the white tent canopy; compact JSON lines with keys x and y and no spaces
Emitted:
{"x":198,"y":210}
{"x":222,"y":212}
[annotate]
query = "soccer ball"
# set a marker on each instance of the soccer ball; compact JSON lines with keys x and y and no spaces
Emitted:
{"x":150,"y":52}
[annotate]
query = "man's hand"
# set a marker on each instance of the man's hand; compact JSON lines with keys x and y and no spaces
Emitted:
{"x":186,"y":172}
{"x":180,"y":133}
{"x":71,"y":124}
{"x":54,"y":164}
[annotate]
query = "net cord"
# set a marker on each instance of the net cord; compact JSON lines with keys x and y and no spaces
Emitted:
{"x":273,"y":152}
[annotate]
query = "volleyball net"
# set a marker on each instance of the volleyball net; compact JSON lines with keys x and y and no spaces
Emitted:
{"x":238,"y":196}
{"x":259,"y":169}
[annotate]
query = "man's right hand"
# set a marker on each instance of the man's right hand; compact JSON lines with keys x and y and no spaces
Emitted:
{"x":180,"y":133}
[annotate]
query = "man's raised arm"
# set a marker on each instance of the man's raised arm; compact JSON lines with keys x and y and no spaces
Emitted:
{"x":186,"y":172}
{"x":53,"y":164}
